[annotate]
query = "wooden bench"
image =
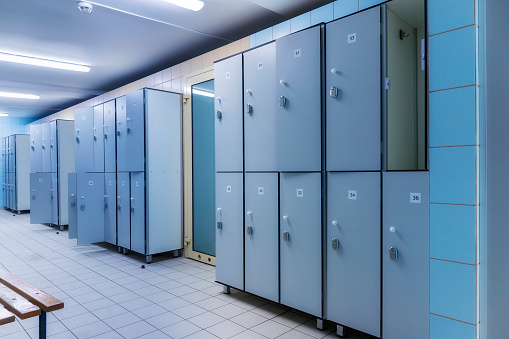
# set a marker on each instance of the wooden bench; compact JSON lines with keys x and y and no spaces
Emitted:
{"x":25,"y":301}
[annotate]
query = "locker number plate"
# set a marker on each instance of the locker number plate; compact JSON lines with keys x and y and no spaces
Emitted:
{"x":415,"y":198}
{"x":352,"y":195}
{"x":297,"y":53}
{"x":228,"y":75}
{"x":228,"y":189}
{"x":352,"y":38}
{"x":300,"y":193}
{"x":260,"y":65}
{"x":260,"y":190}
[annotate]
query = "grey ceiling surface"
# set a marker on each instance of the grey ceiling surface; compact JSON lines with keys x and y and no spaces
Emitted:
{"x":122,"y":40}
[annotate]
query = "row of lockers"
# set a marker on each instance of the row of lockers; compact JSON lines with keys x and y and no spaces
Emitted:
{"x":371,"y":270}
{"x":272,"y":102}
{"x":16,"y":169}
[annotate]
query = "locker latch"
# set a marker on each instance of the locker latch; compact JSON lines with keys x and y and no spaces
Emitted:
{"x":286,"y":236}
{"x":393,"y":254}
{"x":219,"y":115}
{"x":105,"y":201}
{"x":282,"y":101}
{"x":82,"y":207}
{"x":335,"y":244}
{"x":249,"y":230}
{"x":129,"y":130}
{"x":334,"y":92}
{"x":119,"y":205}
{"x":219,"y":225}
{"x":132,"y":203}
{"x":249,"y":109}
{"x":73,"y":202}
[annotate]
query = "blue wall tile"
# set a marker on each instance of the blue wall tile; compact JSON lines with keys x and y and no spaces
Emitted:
{"x":452,"y":290}
{"x":322,"y":14}
{"x":453,"y":233}
{"x":264,"y":36}
{"x":345,"y":7}
{"x":452,"y":175}
{"x":451,"y":14}
{"x":281,"y":30}
{"x":452,"y":117}
{"x":363,"y":4}
{"x":452,"y":59}
{"x":442,"y":328}
{"x":300,"y":22}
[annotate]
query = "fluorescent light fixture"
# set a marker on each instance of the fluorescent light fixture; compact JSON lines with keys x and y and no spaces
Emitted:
{"x":18,"y":95}
{"x":21,"y":59}
{"x":4,"y":114}
{"x":203,"y":93}
{"x":194,"y":5}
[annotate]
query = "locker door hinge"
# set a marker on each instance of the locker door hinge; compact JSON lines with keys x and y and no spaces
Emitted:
{"x":187,"y":240}
{"x":387,"y":83}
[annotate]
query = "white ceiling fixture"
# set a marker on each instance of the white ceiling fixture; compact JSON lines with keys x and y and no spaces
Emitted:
{"x":21,"y":59}
{"x":19,"y":95}
{"x":194,"y":5}
{"x":4,"y":114}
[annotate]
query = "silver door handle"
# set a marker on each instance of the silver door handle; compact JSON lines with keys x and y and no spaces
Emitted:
{"x":219,"y":225}
{"x":393,"y":254}
{"x":286,"y":236}
{"x":335,"y":244}
{"x":249,"y":230}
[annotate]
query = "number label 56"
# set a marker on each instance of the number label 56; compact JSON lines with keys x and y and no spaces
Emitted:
{"x":415,"y":198}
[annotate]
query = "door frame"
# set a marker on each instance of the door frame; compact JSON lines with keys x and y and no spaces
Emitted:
{"x":191,"y":79}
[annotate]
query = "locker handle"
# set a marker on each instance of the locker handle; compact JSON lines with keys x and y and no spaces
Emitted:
{"x":335,"y":244}
{"x":94,"y":130}
{"x":286,"y":236}
{"x":51,"y":142}
{"x":132,"y":203}
{"x":249,"y":230}
{"x":73,"y":202}
{"x":82,"y":207}
{"x":119,"y":205}
{"x":105,"y":131}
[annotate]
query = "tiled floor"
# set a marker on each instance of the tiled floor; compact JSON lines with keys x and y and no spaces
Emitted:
{"x":109,"y":295}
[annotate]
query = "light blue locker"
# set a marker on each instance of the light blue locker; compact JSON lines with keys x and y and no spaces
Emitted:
{"x":53,"y":147}
{"x":353,"y":80}
{"x":121,"y":132}
{"x":262,"y":235}
{"x":98,"y":138}
{"x":90,"y":190}
{"x":301,"y":241}
{"x":123,"y":210}
{"x":405,"y":255}
{"x":83,"y":145}
{"x":54,"y":199}
{"x":73,"y":210}
{"x":229,"y":229}
{"x":228,"y":90}
{"x":12,"y":148}
{"x":135,"y":128}
{"x":299,"y":101}
{"x":110,"y":213}
{"x":12,"y":191}
{"x":138,"y":212}
{"x":353,"y":250}
{"x":40,"y":198}
{"x":35,"y":149}
{"x":45,"y":147}
{"x":109,"y":137}
{"x":259,"y":108}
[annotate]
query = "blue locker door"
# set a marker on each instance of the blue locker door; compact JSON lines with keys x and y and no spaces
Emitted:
{"x":123,"y":210}
{"x":12,"y":180}
{"x":298,"y":101}
{"x":98,"y":138}
{"x":121,"y":132}
{"x":90,"y":189}
{"x":259,"y":108}
{"x":12,"y":157}
{"x":110,"y":213}
{"x":354,"y":115}
{"x":138,"y":212}
{"x":35,"y":149}
{"x":229,"y":114}
{"x":229,"y":229}
{"x":45,"y":147}
{"x":135,"y":122}
{"x":262,"y":235}
{"x":109,"y":137}
{"x":53,"y":147}
{"x":83,"y":144}
{"x":73,"y":211}
{"x":40,"y":198}
{"x":301,"y":242}
{"x":353,"y":261}
{"x":405,"y":280}
{"x":54,"y":199}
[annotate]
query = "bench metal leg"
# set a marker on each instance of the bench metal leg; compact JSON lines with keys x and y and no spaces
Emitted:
{"x":42,"y":325}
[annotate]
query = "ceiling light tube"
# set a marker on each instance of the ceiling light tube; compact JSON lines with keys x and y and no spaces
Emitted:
{"x":18,"y":95}
{"x":4,"y":114}
{"x":194,"y":5}
{"x":21,"y":59}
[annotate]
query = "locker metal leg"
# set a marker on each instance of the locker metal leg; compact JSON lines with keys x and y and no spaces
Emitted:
{"x":340,"y":331}
{"x":119,"y":249}
{"x":19,"y":212}
{"x":319,"y":324}
{"x":176,"y":253}
{"x":226,"y":289}
{"x":125,"y":250}
{"x":62,"y":227}
{"x":148,"y":259}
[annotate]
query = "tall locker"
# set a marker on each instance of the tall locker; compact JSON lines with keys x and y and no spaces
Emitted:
{"x":73,"y":210}
{"x":134,"y":144}
{"x":262,"y":235}
{"x":21,"y":172}
{"x":301,"y":241}
{"x":55,"y":198}
{"x":90,"y":207}
{"x":299,"y":101}
{"x":12,"y":191}
{"x":353,"y":83}
{"x":229,"y":230}
{"x":40,"y":198}
{"x":109,"y":137}
{"x":65,"y":165}
{"x":84,"y":139}
{"x":229,"y":115}
{"x":110,"y":212}
{"x":53,"y":147}
{"x":120,"y":115}
{"x":353,"y":250}
{"x":45,"y":147}
{"x":35,"y":149}
{"x":260,"y":108}
{"x":405,"y":255}
{"x":123,"y":210}
{"x":137,"y":209}
{"x":98,"y":139}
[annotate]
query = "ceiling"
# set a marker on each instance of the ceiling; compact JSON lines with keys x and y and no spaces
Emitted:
{"x":121,"y":40}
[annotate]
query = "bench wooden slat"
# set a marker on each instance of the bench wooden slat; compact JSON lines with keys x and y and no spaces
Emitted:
{"x":17,"y":304}
{"x":36,"y":296}
{"x":5,"y":316}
